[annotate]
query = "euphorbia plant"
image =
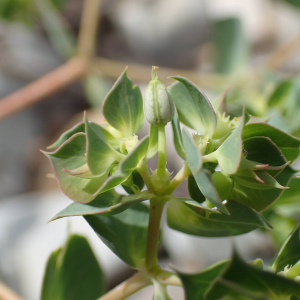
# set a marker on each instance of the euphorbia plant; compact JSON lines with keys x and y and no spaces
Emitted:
{"x":235,"y":168}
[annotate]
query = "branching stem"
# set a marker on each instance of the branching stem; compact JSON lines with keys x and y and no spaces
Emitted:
{"x":137,"y":282}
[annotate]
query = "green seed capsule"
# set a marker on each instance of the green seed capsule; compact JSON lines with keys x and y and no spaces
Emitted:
{"x":158,"y":104}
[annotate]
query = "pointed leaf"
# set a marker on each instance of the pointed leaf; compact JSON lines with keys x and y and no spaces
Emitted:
{"x":71,"y":155}
{"x":207,"y":188}
{"x":240,"y":278}
{"x":230,"y":152}
{"x":193,"y":220}
{"x":289,"y":254}
{"x":108,"y":203}
{"x":125,"y":233}
{"x":126,"y":167}
{"x":194,"y":109}
{"x":73,"y":273}
{"x":193,"y":154}
{"x":288,"y":144}
{"x":99,"y":153}
{"x":194,"y":190}
{"x":261,"y":199}
{"x":80,"y":127}
{"x":153,"y":141}
{"x":195,"y":285}
{"x":177,"y":138}
{"x":123,"y":106}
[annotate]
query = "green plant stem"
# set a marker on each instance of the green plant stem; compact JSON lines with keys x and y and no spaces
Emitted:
{"x":162,"y":151}
{"x":168,"y":278}
{"x":176,"y":181}
{"x":135,"y":283}
{"x":156,"y":210}
{"x":143,"y":170}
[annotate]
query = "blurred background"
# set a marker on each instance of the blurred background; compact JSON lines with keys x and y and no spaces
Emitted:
{"x":253,"y":47}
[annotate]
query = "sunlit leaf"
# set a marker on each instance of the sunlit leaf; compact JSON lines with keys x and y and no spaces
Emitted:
{"x":71,"y":155}
{"x":126,"y":167}
{"x":108,"y":203}
{"x":194,"y":109}
{"x":99,"y":153}
{"x":123,"y":106}
{"x":230,"y":152}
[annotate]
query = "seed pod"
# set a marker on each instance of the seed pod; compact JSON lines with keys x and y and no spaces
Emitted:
{"x":158,"y":104}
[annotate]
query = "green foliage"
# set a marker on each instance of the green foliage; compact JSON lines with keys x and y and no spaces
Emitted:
{"x":73,"y":273}
{"x":125,"y":233}
{"x":236,"y":167}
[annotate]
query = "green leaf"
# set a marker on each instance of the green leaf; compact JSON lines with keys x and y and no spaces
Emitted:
{"x":80,"y":127}
{"x":125,"y":233}
{"x":194,"y":190}
{"x":219,"y":103}
{"x":230,"y":152}
{"x":195,"y":285}
{"x":290,"y":196}
{"x":99,"y":153}
{"x":289,"y":254}
{"x":123,"y":106}
{"x":194,"y":109}
{"x":194,"y":220}
{"x":288,"y":144}
{"x":108,"y":203}
{"x":73,"y":273}
{"x":71,"y":155}
{"x":280,"y":93}
{"x":231,"y":46}
{"x":126,"y":167}
{"x":261,"y":199}
{"x":193,"y":154}
{"x":207,"y":188}
{"x":177,"y":138}
{"x":240,"y":278}
{"x":153,"y":141}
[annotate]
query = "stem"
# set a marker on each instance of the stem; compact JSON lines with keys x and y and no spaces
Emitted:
{"x":176,"y":181}
{"x":156,"y":210}
{"x":88,"y":28}
{"x":162,"y":151}
{"x":143,"y":170}
{"x":7,"y":294}
{"x":135,"y":283}
{"x":168,"y":278}
{"x":43,"y":87}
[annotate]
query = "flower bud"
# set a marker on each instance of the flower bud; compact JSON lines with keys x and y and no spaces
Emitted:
{"x":158,"y":105}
